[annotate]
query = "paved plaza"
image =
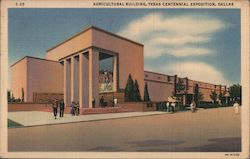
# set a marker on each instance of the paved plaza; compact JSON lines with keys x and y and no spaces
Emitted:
{"x":35,"y":118}
{"x":208,"y":130}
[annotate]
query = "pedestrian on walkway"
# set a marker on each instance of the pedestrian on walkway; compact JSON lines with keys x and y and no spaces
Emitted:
{"x":167,"y":106}
{"x":77,"y":108}
{"x":55,"y":108}
{"x":236,"y":107}
{"x":173,"y":106}
{"x":62,"y":106}
{"x":72,"y":111}
{"x":192,"y":107}
{"x":93,"y":102}
{"x":102,"y":101}
{"x":115,"y":102}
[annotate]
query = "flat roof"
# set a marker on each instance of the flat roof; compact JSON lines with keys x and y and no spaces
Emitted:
{"x":37,"y":58}
{"x":156,"y":73}
{"x":96,"y":28}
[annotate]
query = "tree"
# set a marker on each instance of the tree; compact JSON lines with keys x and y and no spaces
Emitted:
{"x":179,"y":89}
{"x":213,"y":96}
{"x":235,"y":92}
{"x":129,"y":90}
{"x":22,"y":95}
{"x":198,"y":96}
{"x":9,"y":95}
{"x":221,"y":97}
{"x":146,"y":95}
{"x":137,"y":95}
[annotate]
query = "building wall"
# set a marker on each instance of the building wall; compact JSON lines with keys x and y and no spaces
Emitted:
{"x":131,"y":59}
{"x":19,"y":78}
{"x":130,"y":54}
{"x":159,"y":91}
{"x":44,"y":77}
{"x":160,"y":86}
{"x":73,"y":45}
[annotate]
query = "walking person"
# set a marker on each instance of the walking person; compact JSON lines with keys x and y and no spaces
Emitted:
{"x":102,"y":101}
{"x":167,"y":106}
{"x":115,"y":102}
{"x":55,"y":107}
{"x":173,"y":106}
{"x":72,"y":111}
{"x":93,"y":102}
{"x":62,"y":106}
{"x":77,"y":108}
{"x":192,"y":107}
{"x":236,"y":107}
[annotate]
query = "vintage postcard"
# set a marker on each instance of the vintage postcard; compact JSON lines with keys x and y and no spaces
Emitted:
{"x":124,"y":79}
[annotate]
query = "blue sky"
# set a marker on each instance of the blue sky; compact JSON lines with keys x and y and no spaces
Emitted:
{"x":202,"y":44}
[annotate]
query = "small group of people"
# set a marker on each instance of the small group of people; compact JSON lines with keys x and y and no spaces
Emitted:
{"x":55,"y":105}
{"x":103,"y":103}
{"x":170,"y":106}
{"x":75,"y":108}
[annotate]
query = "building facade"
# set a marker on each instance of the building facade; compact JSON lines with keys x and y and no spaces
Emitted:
{"x":71,"y":71}
{"x":162,"y":86}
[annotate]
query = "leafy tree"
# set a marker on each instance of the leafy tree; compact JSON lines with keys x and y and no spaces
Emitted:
{"x":129,"y":90}
{"x":179,"y":89}
{"x":235,"y":92}
{"x":137,"y":95}
{"x":221,"y":97}
{"x":146,"y":95}
{"x":213,"y":96}
{"x":198,"y":96}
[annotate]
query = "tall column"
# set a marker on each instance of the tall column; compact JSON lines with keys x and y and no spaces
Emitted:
{"x":67,"y":82}
{"x":76,"y":78}
{"x":83,"y":80}
{"x":115,"y":73}
{"x":93,"y":77}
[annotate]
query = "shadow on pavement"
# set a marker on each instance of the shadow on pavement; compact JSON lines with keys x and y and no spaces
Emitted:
{"x":232,"y":144}
{"x":105,"y":149}
{"x":152,"y":143}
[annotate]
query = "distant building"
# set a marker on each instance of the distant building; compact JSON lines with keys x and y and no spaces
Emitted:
{"x":70,"y":71}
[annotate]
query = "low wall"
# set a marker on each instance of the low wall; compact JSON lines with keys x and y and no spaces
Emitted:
{"x":26,"y":106}
{"x":109,"y":97}
{"x":139,"y":106}
{"x":46,"y":97}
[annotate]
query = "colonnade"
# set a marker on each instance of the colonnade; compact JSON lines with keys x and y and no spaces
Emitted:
{"x":81,"y":78}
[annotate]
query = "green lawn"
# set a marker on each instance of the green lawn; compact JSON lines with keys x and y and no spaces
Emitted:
{"x":12,"y":123}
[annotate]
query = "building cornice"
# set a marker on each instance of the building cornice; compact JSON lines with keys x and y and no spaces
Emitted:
{"x":32,"y":58}
{"x":95,"y":28}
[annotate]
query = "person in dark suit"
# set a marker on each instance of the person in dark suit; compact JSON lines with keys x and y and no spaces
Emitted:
{"x":62,"y":106}
{"x":102,"y":101}
{"x":55,"y":108}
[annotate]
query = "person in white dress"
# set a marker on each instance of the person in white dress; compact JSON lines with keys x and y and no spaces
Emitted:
{"x":115,"y":102}
{"x":236,"y":107}
{"x":192,"y":107}
{"x":167,"y":105}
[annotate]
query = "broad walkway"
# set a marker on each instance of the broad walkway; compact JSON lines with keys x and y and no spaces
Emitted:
{"x":208,"y":130}
{"x":34,"y":118}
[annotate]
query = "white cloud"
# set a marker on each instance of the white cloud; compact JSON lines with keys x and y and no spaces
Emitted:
{"x":199,"y":71}
{"x":157,"y":32}
{"x":189,"y":52}
{"x":180,"y":40}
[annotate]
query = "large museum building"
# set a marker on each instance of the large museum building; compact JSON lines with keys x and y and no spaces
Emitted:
{"x":77,"y":70}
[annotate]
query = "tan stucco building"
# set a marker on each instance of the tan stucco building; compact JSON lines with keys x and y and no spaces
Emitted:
{"x":71,"y":70}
